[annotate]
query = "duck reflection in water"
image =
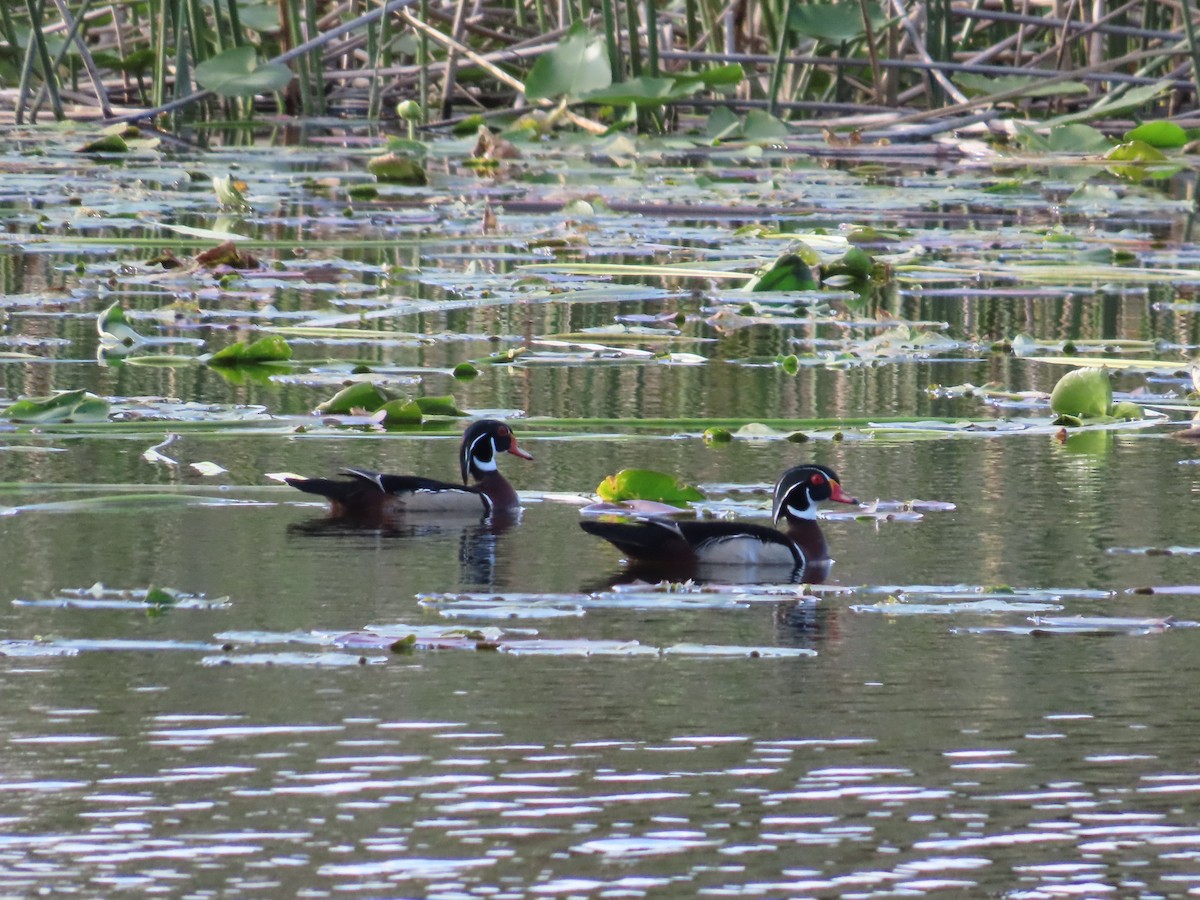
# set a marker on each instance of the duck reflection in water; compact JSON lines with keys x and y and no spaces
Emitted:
{"x":661,"y":548}
{"x":477,"y":540}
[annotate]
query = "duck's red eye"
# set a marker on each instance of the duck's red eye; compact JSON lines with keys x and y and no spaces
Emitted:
{"x":502,"y":432}
{"x":817,"y":479}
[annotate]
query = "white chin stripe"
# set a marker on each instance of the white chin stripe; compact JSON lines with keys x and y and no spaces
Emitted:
{"x":480,"y":464}
{"x":809,"y":512}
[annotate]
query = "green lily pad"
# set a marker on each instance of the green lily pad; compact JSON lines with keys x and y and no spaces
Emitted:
{"x":464,"y":371}
{"x":439,"y":406}
{"x":109,"y":143}
{"x":1084,"y":393}
{"x":577,"y":65}
{"x":402,"y":412}
{"x":65,"y":406}
{"x":360,"y":395}
{"x":272,"y":348}
{"x":238,"y":73}
{"x":788,"y":273}
{"x":1158,"y":134}
{"x":1135,"y":151}
{"x":646,"y":484}
{"x":398,"y":169}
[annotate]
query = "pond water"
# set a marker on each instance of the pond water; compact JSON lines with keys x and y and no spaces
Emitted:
{"x":991,"y":694}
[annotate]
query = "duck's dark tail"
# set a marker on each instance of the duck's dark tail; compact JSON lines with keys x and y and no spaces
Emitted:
{"x":651,"y":539}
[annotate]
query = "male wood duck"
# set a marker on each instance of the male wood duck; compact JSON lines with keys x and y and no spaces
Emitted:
{"x":800,"y":546}
{"x":370,"y":495}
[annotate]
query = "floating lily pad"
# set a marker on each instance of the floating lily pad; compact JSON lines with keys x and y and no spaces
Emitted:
{"x":646,"y":484}
{"x":398,"y":169}
{"x":361,"y":395}
{"x":272,"y":348}
{"x":65,"y":406}
{"x":1086,"y":393}
{"x":788,"y":273}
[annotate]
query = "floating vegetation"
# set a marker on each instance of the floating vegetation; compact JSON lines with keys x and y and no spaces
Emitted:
{"x":401,"y":639}
{"x":150,"y":599}
{"x":1085,"y":625}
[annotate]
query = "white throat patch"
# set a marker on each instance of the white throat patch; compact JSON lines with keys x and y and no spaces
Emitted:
{"x":809,"y":512}
{"x":488,"y":465}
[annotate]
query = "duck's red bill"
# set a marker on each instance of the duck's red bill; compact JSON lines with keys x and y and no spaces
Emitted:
{"x":839,"y":495}
{"x":517,"y":451}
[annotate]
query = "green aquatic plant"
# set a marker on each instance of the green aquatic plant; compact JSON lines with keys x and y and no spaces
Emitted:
{"x":646,"y":484}
{"x":270,"y":349}
{"x":66,"y":407}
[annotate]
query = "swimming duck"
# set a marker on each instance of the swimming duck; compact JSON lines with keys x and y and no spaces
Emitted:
{"x":799,"y":546}
{"x":371,"y":495}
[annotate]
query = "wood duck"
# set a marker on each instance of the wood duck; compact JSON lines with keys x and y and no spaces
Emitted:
{"x":800,"y":546}
{"x":368,"y":495}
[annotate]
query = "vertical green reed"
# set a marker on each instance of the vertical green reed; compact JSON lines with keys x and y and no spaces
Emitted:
{"x":612,"y":39}
{"x":781,"y":48}
{"x":39,"y":52}
{"x":693,"y":21}
{"x":652,"y":38}
{"x":633,"y":28}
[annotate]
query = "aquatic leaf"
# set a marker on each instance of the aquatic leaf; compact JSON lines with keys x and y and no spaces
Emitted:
{"x":99,"y":597}
{"x":208,"y":469}
{"x":439,"y":406}
{"x":788,"y":273}
{"x":229,"y":194}
{"x":464,"y":371}
{"x":1065,"y":139}
{"x":1110,"y":108}
{"x":1082,"y":392}
{"x":359,"y":395}
{"x":237,"y":72}
{"x":1159,"y":133}
{"x":399,"y":169}
{"x":855,"y":262}
{"x":577,"y":64}
{"x":272,"y":348}
{"x":1127,"y":409}
{"x":109,"y":143}
{"x":760,"y":125}
{"x":114,"y":329}
{"x":65,"y":406}
{"x":723,"y":124}
{"x":975,"y":85}
{"x":835,"y":22}
{"x":1135,"y":151}
{"x":154,"y":454}
{"x":646,"y":484}
{"x":226,"y":254}
{"x":641,"y":91}
{"x":718,"y":435}
{"x":401,"y":412}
